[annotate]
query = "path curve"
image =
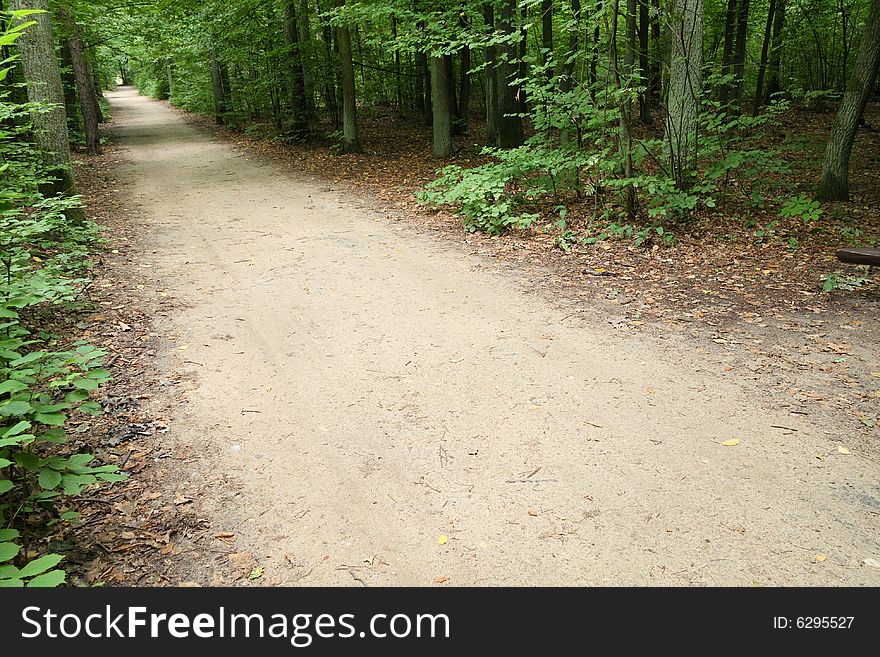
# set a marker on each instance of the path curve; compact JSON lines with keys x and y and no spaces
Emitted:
{"x":372,"y":406}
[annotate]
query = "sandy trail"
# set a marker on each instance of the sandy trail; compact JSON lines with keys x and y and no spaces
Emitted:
{"x":360,"y":390}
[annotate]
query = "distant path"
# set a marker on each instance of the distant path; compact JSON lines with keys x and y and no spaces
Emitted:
{"x":360,"y":391}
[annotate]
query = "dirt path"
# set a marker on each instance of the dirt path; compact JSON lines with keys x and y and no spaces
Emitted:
{"x":369,"y":407}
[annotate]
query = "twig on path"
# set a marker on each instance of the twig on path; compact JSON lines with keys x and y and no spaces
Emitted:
{"x":247,"y":410}
{"x":528,"y":481}
{"x":779,"y":426}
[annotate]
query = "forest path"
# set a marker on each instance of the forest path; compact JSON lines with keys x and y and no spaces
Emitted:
{"x":369,"y":406}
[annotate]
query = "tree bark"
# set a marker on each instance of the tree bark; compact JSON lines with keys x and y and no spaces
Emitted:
{"x":39,"y":64}
{"x":762,"y":65}
{"x":85,"y":83}
{"x":491,"y":78}
{"x":727,"y":54}
{"x":464,"y":91}
{"x":330,"y":69}
{"x":68,"y":80}
{"x":739,"y":65}
{"x":626,"y":108}
{"x":510,"y":127}
{"x":298,"y":105}
{"x":547,"y":35}
{"x":644,"y":68}
{"x":350,"y":140}
{"x":568,"y":80}
{"x":306,"y":56}
{"x":441,"y":107}
{"x":835,"y":170}
{"x":398,"y":84}
{"x":218,"y":91}
{"x":773,"y":85}
{"x":685,"y":83}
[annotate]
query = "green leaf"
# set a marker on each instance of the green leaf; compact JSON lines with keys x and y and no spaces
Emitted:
{"x":15,"y":408}
{"x":112,"y":477}
{"x":52,"y":419}
{"x":76,"y":396}
{"x":4,"y":463}
{"x":91,"y":408}
{"x":11,"y":584}
{"x":40,"y":565}
{"x":16,"y":429}
{"x":48,"y":580}
{"x":29,"y":358}
{"x":49,"y":479}
{"x":8,"y":551}
{"x":5,"y":486}
{"x":5,"y":312}
{"x":85,"y":384}
{"x":11,"y":385}
{"x":8,"y":534}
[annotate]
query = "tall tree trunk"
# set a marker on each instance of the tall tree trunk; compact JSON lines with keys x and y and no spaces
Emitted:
{"x":644,"y":68}
{"x":306,"y":56}
{"x":727,"y":55}
{"x":350,"y":141}
{"x":510,"y":127}
{"x":426,"y":83}
{"x":329,"y":81}
{"x":39,"y":64}
{"x":835,"y":170}
{"x":547,"y":34}
{"x":300,"y":129}
{"x":523,"y":50}
{"x":441,"y":107}
{"x":739,"y":65}
{"x":765,"y":50}
{"x":68,"y":80}
{"x":626,"y":108}
{"x":218,"y":91}
{"x":85,"y":83}
{"x":464,"y":90}
{"x":656,"y":75}
{"x":449,"y":63}
{"x":398,"y":84}
{"x":685,"y":83}
{"x":568,"y":80}
{"x":773,"y":85}
{"x":594,"y":58}
{"x":491,"y":78}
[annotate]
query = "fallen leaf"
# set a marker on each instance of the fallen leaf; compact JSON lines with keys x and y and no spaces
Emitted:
{"x":224,"y":535}
{"x":876,"y":374}
{"x":181,"y":499}
{"x":821,"y":457}
{"x":842,"y":450}
{"x":873,"y":563}
{"x":183,"y":347}
{"x":189,"y":585}
{"x":168,"y":549}
{"x":441,"y":579}
{"x":256,"y":573}
{"x":733,"y":442}
{"x":820,"y":558}
{"x":532,"y":513}
{"x":443,"y":539}
{"x":650,"y":390}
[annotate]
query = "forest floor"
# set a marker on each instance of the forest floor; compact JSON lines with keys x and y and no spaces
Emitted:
{"x":318,"y":383}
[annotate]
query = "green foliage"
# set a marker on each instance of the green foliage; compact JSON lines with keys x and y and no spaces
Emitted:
{"x":44,"y":257}
{"x":801,"y":207}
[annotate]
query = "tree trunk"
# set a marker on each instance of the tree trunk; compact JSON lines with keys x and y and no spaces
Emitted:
{"x":449,"y":62}
{"x":441,"y":107}
{"x":835,"y":170}
{"x":491,"y":79}
{"x":306,"y":56}
{"x":656,"y":75}
{"x":739,"y":66}
{"x":773,"y":85}
{"x":727,"y":54}
{"x":464,"y":91}
{"x":68,"y":80}
{"x":330,"y":69}
{"x":85,"y":83}
{"x":218,"y":90}
{"x":39,"y":64}
{"x":594,"y":59}
{"x":350,"y":140}
{"x":645,"y":95}
{"x":568,"y":80}
{"x":510,"y":127}
{"x":762,"y":66}
{"x":426,"y":83}
{"x":298,"y":106}
{"x":398,"y":84}
{"x":685,"y":82}
{"x":626,"y":108}
{"x":547,"y":35}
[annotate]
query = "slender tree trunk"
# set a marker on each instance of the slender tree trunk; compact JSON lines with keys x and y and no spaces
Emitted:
{"x":510,"y":127}
{"x":306,"y":56}
{"x":547,"y":35}
{"x":765,"y":50}
{"x":835,"y":170}
{"x":449,"y":63}
{"x":626,"y":108}
{"x":40,"y":67}
{"x":329,"y":81}
{"x":773,"y":85}
{"x":644,"y":68}
{"x":441,"y":107}
{"x":491,"y":79}
{"x":350,"y":140}
{"x":727,"y":55}
{"x":685,"y":83}
{"x":739,"y":65}
{"x":68,"y":80}
{"x":523,"y":50}
{"x":298,"y":106}
{"x":656,"y":75}
{"x":426,"y":83}
{"x":218,"y":91}
{"x":85,"y":83}
{"x":594,"y":59}
{"x":398,"y":84}
{"x":568,"y":79}
{"x":464,"y":90}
